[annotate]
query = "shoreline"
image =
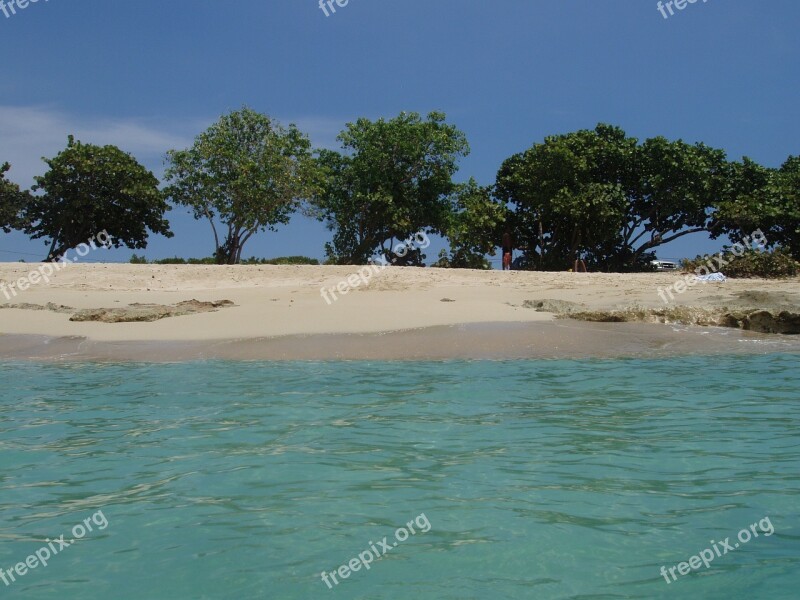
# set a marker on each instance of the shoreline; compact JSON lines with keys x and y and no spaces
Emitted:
{"x":191,"y":312}
{"x":562,"y":339}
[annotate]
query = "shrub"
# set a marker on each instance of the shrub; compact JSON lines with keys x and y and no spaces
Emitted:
{"x":283,"y":260}
{"x":461,"y":260}
{"x":170,"y":261}
{"x":753,"y":263}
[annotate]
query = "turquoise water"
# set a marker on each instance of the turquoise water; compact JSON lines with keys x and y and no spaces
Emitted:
{"x":540,"y":479}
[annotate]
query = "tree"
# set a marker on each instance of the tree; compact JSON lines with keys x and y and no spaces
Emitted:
{"x":245,"y":174}
{"x":474,"y":229}
{"x":602,"y":194}
{"x":393,"y":179}
{"x":761,"y":198}
{"x":569,"y":195}
{"x":91,"y":189}
{"x":747,"y":202}
{"x":787,"y":232}
{"x":12,"y":202}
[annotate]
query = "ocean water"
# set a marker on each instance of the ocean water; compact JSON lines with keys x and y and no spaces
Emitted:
{"x":521,"y":479}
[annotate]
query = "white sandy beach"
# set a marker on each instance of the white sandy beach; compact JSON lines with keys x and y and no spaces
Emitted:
{"x":286,"y":300}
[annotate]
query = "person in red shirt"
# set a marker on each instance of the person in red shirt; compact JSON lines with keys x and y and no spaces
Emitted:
{"x":507,"y":250}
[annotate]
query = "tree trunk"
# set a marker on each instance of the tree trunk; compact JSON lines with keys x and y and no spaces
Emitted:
{"x":541,"y":244}
{"x":50,"y":256}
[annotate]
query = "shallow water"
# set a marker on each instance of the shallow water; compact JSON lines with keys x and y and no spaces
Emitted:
{"x":540,"y":479}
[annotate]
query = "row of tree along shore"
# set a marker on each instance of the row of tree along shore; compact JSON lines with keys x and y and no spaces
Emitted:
{"x":598,"y":194}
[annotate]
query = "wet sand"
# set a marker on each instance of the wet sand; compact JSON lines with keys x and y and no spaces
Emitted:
{"x":563,"y":339}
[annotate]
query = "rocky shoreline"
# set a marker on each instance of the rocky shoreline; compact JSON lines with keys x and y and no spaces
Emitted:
{"x":773,"y":315}
{"x":133,"y":313}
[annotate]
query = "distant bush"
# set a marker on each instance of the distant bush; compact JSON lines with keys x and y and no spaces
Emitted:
{"x":282,"y":260}
{"x":169,"y":261}
{"x":753,"y":263}
{"x":461,"y":260}
{"x":209,"y":260}
{"x":141,"y":260}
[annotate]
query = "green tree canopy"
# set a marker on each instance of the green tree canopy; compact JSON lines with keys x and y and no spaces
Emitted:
{"x":761,"y":198}
{"x":90,"y":189}
{"x":474,"y":228}
{"x":245,"y":174}
{"x":602,"y":194}
{"x":12,"y":202}
{"x":787,"y":230}
{"x":393,"y":179}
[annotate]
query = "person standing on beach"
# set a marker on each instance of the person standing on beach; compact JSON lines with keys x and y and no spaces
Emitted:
{"x":507,"y":250}
{"x":580,"y":264}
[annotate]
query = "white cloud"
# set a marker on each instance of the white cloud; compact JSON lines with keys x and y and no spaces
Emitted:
{"x":29,"y":133}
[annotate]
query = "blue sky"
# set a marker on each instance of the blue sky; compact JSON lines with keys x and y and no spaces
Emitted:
{"x":150,"y":75}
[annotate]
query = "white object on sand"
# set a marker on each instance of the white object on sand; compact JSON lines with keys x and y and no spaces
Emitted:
{"x":712,"y":277}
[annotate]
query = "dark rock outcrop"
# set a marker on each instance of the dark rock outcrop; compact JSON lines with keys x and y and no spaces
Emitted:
{"x":144,"y":313}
